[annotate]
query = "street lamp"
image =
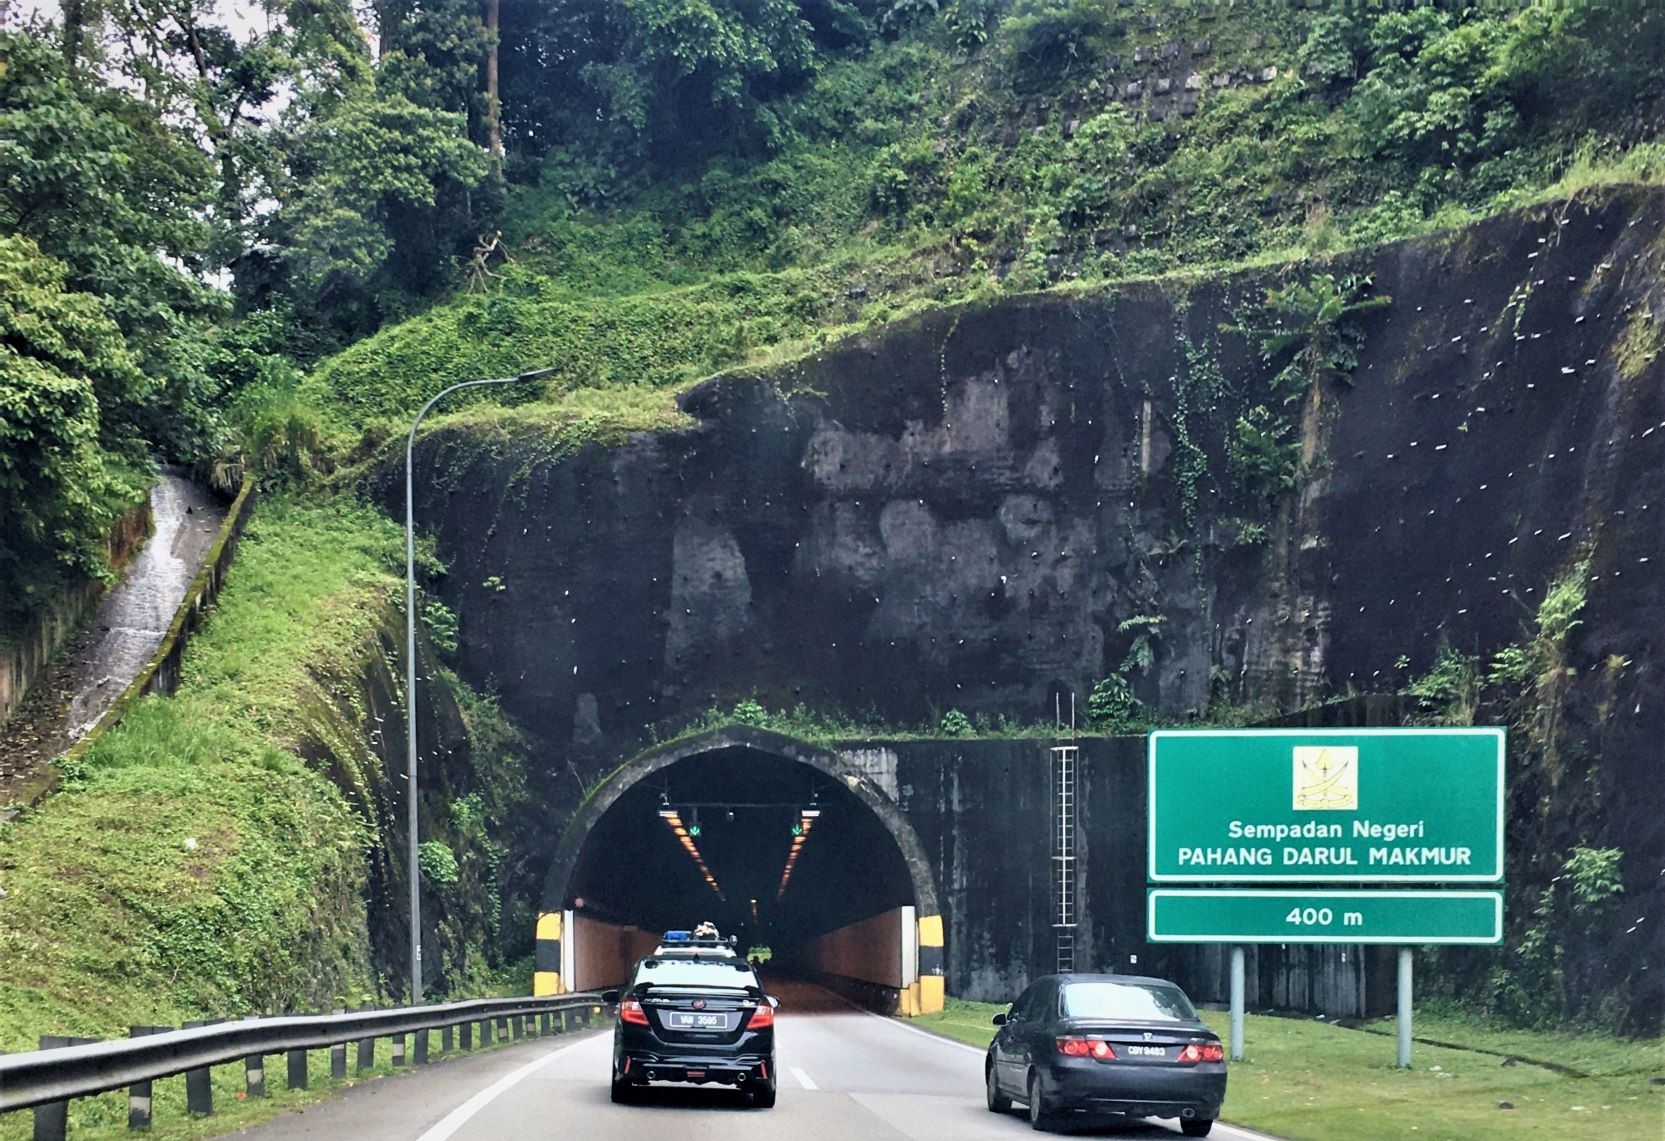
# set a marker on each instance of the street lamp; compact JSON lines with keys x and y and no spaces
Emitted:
{"x":410,"y":673}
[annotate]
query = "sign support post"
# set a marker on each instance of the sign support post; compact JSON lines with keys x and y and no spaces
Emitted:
{"x":1404,"y":1019}
{"x":1237,"y":989}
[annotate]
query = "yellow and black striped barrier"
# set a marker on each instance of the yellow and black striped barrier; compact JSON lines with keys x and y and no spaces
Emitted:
{"x":546,"y":968}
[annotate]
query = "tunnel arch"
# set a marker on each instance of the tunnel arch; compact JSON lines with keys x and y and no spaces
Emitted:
{"x":645,"y":764}
{"x":870,"y":875}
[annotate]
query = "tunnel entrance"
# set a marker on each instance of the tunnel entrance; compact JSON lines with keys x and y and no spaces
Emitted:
{"x":777,"y":841}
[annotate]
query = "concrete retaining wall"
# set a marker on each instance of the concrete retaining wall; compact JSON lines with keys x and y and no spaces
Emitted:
{"x":23,"y":660}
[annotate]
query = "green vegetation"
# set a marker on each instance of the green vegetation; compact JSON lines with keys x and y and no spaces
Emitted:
{"x":649,"y":193}
{"x":194,"y":832}
{"x":1314,"y":1081}
{"x":1564,"y":914}
{"x":262,"y":254}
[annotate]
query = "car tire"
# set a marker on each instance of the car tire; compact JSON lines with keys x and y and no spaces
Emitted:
{"x":1196,"y":1127}
{"x":763,"y":1096}
{"x":998,"y":1102}
{"x":1040,"y":1119}
{"x":624,"y":1093}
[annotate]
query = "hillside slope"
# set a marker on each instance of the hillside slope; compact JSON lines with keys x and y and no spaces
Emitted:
{"x":1448,"y":483}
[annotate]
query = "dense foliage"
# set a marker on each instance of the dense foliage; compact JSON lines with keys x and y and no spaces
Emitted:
{"x":234,"y":195}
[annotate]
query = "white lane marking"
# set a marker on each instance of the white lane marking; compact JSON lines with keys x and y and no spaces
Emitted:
{"x":937,"y":1038}
{"x":803,"y":1079}
{"x":459,"y":1117}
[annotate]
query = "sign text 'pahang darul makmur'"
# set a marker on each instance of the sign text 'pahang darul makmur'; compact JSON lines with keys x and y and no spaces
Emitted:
{"x":1361,"y":805}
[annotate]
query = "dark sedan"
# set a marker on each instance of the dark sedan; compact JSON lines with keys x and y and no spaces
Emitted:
{"x":1106,"y":1044}
{"x":698,"y":1020}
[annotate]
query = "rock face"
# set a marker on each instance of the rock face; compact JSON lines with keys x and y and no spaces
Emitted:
{"x":967,"y":511}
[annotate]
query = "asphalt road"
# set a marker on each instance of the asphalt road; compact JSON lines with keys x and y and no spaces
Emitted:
{"x":845,"y":1075}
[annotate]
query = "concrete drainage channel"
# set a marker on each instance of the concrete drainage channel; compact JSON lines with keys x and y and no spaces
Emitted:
{"x":145,"y":640}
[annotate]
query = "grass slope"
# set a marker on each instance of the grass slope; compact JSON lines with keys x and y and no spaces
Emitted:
{"x":194,"y":866}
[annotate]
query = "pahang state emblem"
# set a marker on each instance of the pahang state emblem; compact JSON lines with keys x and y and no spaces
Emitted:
{"x":1326,"y":778}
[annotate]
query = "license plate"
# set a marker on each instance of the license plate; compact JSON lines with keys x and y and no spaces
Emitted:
{"x":687,"y":1020}
{"x":1147,"y":1051}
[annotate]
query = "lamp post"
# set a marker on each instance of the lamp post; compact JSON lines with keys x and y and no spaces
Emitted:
{"x":410,"y":673}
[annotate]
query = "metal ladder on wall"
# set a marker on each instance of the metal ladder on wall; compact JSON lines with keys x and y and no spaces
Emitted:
{"x":1065,"y":755}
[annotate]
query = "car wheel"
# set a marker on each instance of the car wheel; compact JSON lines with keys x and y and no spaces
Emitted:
{"x":763,"y":1095}
{"x":1196,"y":1127}
{"x":624,"y":1093}
{"x":998,"y":1102}
{"x":1039,"y":1118}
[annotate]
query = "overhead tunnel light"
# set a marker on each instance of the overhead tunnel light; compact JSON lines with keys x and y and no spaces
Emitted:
{"x":800,"y":833}
{"x":673,"y":818}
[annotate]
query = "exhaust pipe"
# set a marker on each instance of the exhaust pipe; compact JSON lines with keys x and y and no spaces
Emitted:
{"x":653,"y":1075}
{"x":1188,"y":1114}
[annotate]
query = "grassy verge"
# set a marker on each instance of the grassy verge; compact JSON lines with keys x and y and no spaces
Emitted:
{"x":194,"y":866}
{"x":1312,"y":1081}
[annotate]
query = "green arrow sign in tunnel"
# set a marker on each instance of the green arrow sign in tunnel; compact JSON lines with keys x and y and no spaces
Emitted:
{"x":773,"y":839}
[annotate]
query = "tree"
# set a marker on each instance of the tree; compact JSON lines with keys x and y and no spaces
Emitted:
{"x":378,"y":200}
{"x":667,"y":81}
{"x":99,"y":181}
{"x":62,"y":360}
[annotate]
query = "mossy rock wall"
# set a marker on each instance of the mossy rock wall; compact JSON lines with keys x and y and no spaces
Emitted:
{"x":964,"y":512}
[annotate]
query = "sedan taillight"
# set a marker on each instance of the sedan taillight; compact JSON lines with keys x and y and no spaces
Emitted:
{"x":1077,"y":1047}
{"x":631,"y":1011}
{"x":762,"y":1018}
{"x":1202,"y":1052}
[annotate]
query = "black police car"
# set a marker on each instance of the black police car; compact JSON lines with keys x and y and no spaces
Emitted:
{"x":686,"y":1017}
{"x":1106,"y":1044}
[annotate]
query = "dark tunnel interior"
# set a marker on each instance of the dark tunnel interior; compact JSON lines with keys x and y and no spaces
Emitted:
{"x":634,"y":869}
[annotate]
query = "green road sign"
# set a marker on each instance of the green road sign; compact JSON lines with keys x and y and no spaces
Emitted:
{"x":1247,"y":915}
{"x":1308,"y":805}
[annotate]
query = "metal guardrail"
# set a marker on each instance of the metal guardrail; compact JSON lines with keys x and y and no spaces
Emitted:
{"x":46,"y":1080}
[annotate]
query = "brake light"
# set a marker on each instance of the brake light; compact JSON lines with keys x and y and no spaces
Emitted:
{"x":631,"y":1011}
{"x":1202,"y":1052}
{"x":1075,"y":1047}
{"x":762,"y":1018}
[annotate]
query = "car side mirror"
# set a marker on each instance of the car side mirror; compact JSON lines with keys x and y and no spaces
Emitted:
{"x":773,"y":1001}
{"x":610,"y":997}
{"x":999,"y":1020}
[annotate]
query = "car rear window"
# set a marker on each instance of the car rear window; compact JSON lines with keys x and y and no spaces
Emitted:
{"x":1136,"y":1002}
{"x":695,"y":972}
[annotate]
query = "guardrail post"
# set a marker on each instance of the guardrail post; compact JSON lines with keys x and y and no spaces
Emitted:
{"x":138,"y":1094}
{"x":517,"y":1028}
{"x":366,"y":1054}
{"x":447,"y":1039}
{"x":52,"y":1119}
{"x":465,"y":1035}
{"x":338,"y":1056}
{"x":543,"y":1024}
{"x":199,"y":1083}
{"x":485,"y":1032}
{"x":397,"y":1041}
{"x":254,"y":1069}
{"x":297,"y":1069}
{"x":502,"y":1029}
{"x":254,"y":1075}
{"x":421,"y":1044}
{"x":562,"y":1015}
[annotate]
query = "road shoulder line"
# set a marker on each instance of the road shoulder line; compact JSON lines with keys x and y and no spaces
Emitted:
{"x":460,"y":1116}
